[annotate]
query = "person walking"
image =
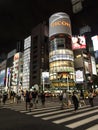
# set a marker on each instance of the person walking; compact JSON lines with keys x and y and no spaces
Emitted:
{"x":43,"y":98}
{"x":5,"y":95}
{"x":27,"y":99}
{"x":64,"y":102}
{"x":75,"y":100}
{"x":91,"y":98}
{"x":35,"y":97}
{"x":82,"y":99}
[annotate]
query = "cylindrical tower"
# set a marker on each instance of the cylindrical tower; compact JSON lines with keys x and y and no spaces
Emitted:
{"x":61,"y":58}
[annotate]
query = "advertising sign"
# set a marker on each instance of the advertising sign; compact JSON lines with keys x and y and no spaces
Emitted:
{"x":16,"y":57}
{"x":2,"y":76}
{"x":95,"y":42}
{"x":87,"y":67}
{"x":59,"y":23}
{"x":78,"y":42}
{"x":93,"y":65}
{"x":45,"y":77}
{"x":79,"y":76}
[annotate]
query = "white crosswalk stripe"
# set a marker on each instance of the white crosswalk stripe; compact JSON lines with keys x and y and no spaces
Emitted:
{"x":95,"y":127}
{"x":67,"y":114}
{"x":81,"y":122}
{"x":66,"y":117}
{"x":74,"y":117}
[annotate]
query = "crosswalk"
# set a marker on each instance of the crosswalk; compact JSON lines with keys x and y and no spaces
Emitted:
{"x":86,"y":118}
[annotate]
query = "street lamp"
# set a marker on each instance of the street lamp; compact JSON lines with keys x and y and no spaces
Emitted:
{"x":43,"y":83}
{"x":67,"y":84}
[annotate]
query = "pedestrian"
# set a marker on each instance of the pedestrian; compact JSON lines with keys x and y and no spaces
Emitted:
{"x":64,"y":102}
{"x":43,"y":98}
{"x":1,"y":97}
{"x":35,"y":97}
{"x":27,"y":99}
{"x":91,"y":98}
{"x":22,"y":95}
{"x":19,"y":97}
{"x":81,"y":100}
{"x":75,"y":100}
{"x":5,"y":95}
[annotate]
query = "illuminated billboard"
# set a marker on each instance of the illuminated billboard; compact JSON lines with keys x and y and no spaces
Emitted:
{"x":78,"y":42}
{"x":45,"y":78}
{"x":79,"y":76}
{"x":2,"y":77}
{"x":95,"y":42}
{"x":87,"y":67}
{"x":94,"y":71}
{"x":59,"y":23}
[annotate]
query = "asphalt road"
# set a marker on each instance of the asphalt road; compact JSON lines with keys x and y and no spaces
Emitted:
{"x":14,"y":120}
{"x":11,"y":120}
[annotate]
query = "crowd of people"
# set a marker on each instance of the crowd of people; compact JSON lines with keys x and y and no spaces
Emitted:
{"x":76,"y":99}
{"x":31,"y":98}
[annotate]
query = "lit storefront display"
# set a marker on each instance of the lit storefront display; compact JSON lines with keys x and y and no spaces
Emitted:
{"x":61,"y":58}
{"x":61,"y":54}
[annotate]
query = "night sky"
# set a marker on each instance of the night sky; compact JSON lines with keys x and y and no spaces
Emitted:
{"x":19,"y":17}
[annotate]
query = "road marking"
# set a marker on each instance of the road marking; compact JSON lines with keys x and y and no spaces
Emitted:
{"x":60,"y":115}
{"x":74,"y":117}
{"x":95,"y":127}
{"x":38,"y":112}
{"x":82,"y":122}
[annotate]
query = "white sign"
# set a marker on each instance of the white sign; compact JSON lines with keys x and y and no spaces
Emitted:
{"x":79,"y":76}
{"x":95,"y":42}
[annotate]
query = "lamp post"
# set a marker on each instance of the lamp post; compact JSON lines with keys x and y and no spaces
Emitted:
{"x":43,"y":84}
{"x":67,"y":84}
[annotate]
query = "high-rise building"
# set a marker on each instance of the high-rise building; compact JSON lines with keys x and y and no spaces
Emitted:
{"x":61,"y":58}
{"x":26,"y":63}
{"x":36,"y":58}
{"x":39,"y":55}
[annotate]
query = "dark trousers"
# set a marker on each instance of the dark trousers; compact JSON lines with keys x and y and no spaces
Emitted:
{"x":76,"y":105}
{"x":91,"y":102}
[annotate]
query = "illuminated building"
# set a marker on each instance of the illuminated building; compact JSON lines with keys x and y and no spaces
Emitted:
{"x":61,"y":58}
{"x":3,"y":74}
{"x":39,"y":55}
{"x":17,"y":72}
{"x":84,"y":62}
{"x":9,"y":66}
{"x":36,"y":58}
{"x":26,"y":63}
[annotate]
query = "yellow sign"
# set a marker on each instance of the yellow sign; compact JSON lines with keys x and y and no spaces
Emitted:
{"x":60,"y":22}
{"x":62,"y":84}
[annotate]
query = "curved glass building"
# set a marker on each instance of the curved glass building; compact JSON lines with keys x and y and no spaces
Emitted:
{"x":61,"y":58}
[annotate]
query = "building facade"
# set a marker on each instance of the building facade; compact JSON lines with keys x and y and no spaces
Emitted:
{"x":61,"y":58}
